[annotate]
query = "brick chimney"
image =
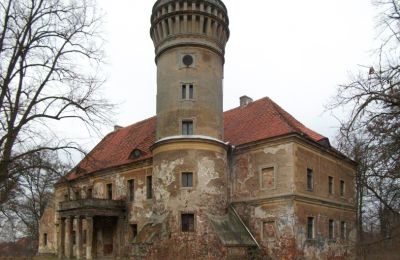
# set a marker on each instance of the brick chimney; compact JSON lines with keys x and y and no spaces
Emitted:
{"x":245,"y":100}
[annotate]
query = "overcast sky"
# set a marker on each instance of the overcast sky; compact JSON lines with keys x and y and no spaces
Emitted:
{"x":295,"y":52}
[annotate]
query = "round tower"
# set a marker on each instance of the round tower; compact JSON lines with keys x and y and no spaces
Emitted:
{"x":189,"y":156}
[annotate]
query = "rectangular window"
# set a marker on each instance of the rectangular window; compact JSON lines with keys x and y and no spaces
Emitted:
{"x":310,"y":228}
{"x":187,"y":179}
{"x":187,"y":127}
{"x":310,"y":180}
{"x":187,"y":222}
{"x":149,"y":187}
{"x":109,"y":191}
{"x":343,"y":227}
{"x":342,"y":188}
{"x":330,"y":184}
{"x":45,"y":239}
{"x":268,"y":178}
{"x":84,"y":236}
{"x":187,"y":91}
{"x":77,"y":195}
{"x":134,"y":231}
{"x":73,"y":238}
{"x":131,"y":190}
{"x":331,"y":228}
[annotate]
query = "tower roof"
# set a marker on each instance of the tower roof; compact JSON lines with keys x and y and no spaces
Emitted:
{"x":259,"y":120}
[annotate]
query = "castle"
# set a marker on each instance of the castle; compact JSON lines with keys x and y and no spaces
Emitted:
{"x":195,"y":182}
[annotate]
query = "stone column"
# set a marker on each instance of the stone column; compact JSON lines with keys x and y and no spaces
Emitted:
{"x":61,"y":238}
{"x":68,"y":237}
{"x":78,"y":237}
{"x":89,"y":237}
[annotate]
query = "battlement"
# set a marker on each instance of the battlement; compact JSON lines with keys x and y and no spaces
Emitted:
{"x":202,"y":23}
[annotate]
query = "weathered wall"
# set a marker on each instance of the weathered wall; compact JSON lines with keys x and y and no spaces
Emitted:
{"x":247,"y":172}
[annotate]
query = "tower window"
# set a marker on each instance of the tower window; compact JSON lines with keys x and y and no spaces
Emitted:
{"x":187,"y":179}
{"x":310,"y":180}
{"x":149,"y":187}
{"x":187,"y":60}
{"x":187,"y":221}
{"x":187,"y":127}
{"x":131,"y":190}
{"x":310,"y":228}
{"x":109,"y":191}
{"x":330,"y":184}
{"x":331,"y":228}
{"x":187,"y":91}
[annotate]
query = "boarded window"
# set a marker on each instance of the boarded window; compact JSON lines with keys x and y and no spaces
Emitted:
{"x":269,"y":230}
{"x":310,"y":180}
{"x":187,"y":127}
{"x":310,"y":228}
{"x":331,"y":229}
{"x":187,"y":221}
{"x":268,"y":178}
{"x":131,"y":190}
{"x":109,"y":191}
{"x":330,"y":184}
{"x":187,"y":179}
{"x":149,"y":187}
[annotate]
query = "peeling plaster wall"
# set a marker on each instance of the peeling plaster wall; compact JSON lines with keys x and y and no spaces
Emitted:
{"x":247,"y":172}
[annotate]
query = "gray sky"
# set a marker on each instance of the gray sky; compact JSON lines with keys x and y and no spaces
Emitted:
{"x":295,"y":52}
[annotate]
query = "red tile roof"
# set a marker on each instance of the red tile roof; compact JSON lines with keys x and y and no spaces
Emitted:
{"x":259,"y":120}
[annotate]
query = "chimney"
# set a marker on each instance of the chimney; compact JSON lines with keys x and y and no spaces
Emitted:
{"x":117,"y":127}
{"x":245,"y":100}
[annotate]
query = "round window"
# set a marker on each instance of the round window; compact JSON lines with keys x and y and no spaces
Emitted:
{"x":187,"y":60}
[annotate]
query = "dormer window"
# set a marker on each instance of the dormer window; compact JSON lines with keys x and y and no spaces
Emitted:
{"x":136,"y":153}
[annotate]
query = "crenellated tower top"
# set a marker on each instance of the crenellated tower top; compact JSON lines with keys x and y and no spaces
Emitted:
{"x":202,"y":23}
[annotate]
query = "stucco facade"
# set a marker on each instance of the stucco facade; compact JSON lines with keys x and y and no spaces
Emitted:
{"x":195,"y":182}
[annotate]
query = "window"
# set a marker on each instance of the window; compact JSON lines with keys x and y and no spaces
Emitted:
{"x":149,"y":187}
{"x":331,"y":229}
{"x":131,"y":190}
{"x":187,"y":222}
{"x":330,"y":184}
{"x":84,"y":236}
{"x":187,"y":179}
{"x":109,"y":191}
{"x":134,"y":231}
{"x":187,"y":127}
{"x":267,"y":178}
{"x":310,"y":180}
{"x":77,"y":195}
{"x":343,"y":230}
{"x":45,"y":239}
{"x":65,"y":197}
{"x":310,"y":228}
{"x":73,"y":238}
{"x":269,"y":230}
{"x":187,"y":91}
{"x":342,"y":188}
{"x":89,"y":193}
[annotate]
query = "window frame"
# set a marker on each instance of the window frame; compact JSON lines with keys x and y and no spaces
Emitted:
{"x":181,"y":180}
{"x":310,"y":172}
{"x":181,"y":222}
{"x":149,"y":189}
{"x":331,"y":229}
{"x":331,"y":185}
{"x":184,"y":121}
{"x":189,"y":94}
{"x":342,"y":188}
{"x":130,"y":185}
{"x":110,"y":184}
{"x":312,"y":218}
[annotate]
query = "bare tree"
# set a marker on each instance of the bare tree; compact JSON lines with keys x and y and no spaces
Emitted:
{"x":50,"y":52}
